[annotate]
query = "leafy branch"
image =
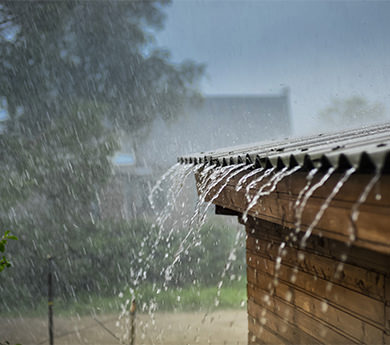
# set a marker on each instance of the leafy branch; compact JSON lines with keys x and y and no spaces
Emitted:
{"x":3,"y":241}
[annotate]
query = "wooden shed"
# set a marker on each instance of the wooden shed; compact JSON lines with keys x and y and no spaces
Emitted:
{"x":317,"y":216}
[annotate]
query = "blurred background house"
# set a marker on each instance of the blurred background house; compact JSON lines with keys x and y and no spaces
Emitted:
{"x":216,"y":121}
{"x":125,"y":196}
{"x":219,"y":121}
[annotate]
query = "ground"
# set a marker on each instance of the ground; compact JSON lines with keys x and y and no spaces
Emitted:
{"x":219,"y":328}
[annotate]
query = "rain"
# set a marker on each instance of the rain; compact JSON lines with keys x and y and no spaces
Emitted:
{"x":192,"y":172}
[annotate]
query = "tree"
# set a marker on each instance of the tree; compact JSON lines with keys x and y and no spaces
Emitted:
{"x":74,"y":72}
{"x":4,"y":263}
{"x":352,"y":111}
{"x":72,"y":75}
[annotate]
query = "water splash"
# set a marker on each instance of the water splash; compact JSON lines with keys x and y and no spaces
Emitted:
{"x":307,"y":195}
{"x":213,"y":179}
{"x":232,"y":173}
{"x":157,"y":186}
{"x":230,"y":260}
{"x":222,"y":174}
{"x":172,"y":183}
{"x":325,"y":205}
{"x":199,"y":217}
{"x":257,"y":181}
{"x":178,"y":182}
{"x":207,"y":185}
{"x":309,"y":180}
{"x":354,"y":215}
{"x":243,"y":179}
{"x":205,"y":176}
{"x":272,"y":183}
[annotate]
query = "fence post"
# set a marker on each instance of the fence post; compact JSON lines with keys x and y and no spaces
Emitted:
{"x":133,"y":308}
{"x":50,"y":299}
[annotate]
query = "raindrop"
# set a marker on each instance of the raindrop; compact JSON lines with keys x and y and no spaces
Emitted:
{"x":324,"y":307}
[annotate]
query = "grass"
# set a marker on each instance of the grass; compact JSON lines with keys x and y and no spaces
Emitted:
{"x":195,"y":298}
{"x":192,"y":298}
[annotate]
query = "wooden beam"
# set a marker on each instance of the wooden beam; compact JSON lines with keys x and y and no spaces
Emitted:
{"x":226,"y":211}
{"x":372,"y":227}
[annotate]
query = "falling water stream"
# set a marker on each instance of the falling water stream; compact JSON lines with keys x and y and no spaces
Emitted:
{"x":256,"y":182}
{"x":325,"y":205}
{"x":211,"y":182}
{"x":307,"y":194}
{"x":273,"y":182}
{"x":243,"y":179}
{"x":355,"y":208}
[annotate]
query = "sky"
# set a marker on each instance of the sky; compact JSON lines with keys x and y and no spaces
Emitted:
{"x":320,"y":50}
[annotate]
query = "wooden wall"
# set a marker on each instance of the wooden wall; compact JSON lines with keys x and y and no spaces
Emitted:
{"x":310,"y":303}
{"x":372,"y":226}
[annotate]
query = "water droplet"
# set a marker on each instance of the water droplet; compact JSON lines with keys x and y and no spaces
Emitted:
{"x":324,"y":307}
{"x":343,"y":257}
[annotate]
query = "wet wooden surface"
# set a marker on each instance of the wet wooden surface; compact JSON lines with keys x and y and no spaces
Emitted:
{"x":305,"y":301}
{"x":333,"y":290}
{"x":372,"y":227}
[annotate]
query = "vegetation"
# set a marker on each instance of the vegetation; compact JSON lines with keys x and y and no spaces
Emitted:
{"x":345,"y":112}
{"x":107,"y":258}
{"x":74,"y":75}
{"x":4,"y":263}
{"x":190,"y":298}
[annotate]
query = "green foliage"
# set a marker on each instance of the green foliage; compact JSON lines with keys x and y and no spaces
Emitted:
{"x":189,"y":298}
{"x":352,"y":111}
{"x":101,"y":259}
{"x":4,"y":263}
{"x":73,"y":76}
{"x":102,"y":52}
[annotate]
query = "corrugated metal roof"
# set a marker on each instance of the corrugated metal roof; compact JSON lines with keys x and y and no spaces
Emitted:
{"x":366,"y":149}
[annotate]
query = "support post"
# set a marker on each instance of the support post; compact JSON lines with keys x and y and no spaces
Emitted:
{"x":133,"y":308}
{"x":50,"y":300}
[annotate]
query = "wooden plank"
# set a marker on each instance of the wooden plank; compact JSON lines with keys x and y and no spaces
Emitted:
{"x":253,"y":340}
{"x":317,"y":328}
{"x":373,"y":231}
{"x":350,"y":191}
{"x":364,"y":258}
{"x":315,"y":320}
{"x":281,"y":327}
{"x":260,"y":260}
{"x":362,"y":306}
{"x":346,"y":323}
{"x":263,"y":335}
{"x":251,"y":275}
{"x":367,"y":282}
{"x":387,"y":305}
